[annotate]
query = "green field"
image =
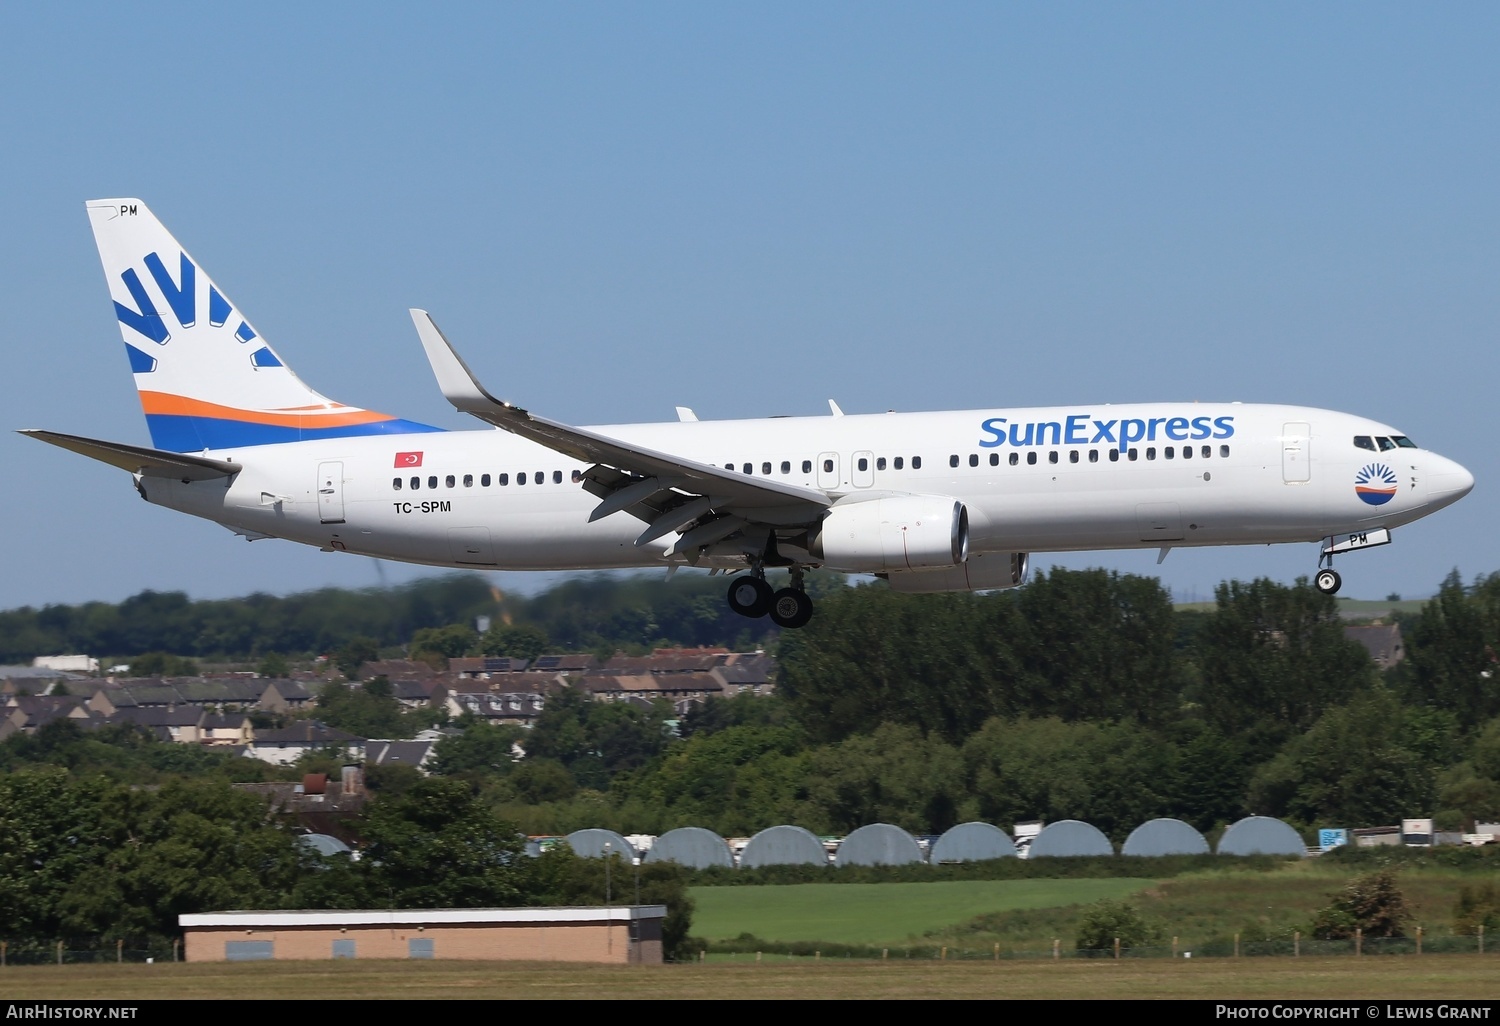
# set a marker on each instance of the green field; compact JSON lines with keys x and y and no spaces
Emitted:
{"x":889,"y":913}
{"x":1026,"y":916}
{"x":1430,"y":976}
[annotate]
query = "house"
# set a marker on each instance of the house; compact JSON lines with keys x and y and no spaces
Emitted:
{"x":399,"y":753}
{"x":1382,"y":641}
{"x":25,"y":714}
{"x":284,"y":747}
{"x":484,"y":667}
{"x":182,"y":724}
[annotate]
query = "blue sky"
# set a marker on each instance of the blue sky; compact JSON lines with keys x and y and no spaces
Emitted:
{"x":612,"y":209}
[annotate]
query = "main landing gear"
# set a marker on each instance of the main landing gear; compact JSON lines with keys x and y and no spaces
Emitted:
{"x":750,"y":595}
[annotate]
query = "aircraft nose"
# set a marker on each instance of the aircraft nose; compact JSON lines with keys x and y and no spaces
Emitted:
{"x":1449,"y":482}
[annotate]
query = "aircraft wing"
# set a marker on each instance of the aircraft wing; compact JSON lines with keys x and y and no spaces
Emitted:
{"x":139,"y":459}
{"x":645,"y":475}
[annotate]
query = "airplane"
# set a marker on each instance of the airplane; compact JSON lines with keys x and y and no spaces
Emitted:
{"x":930,"y":502}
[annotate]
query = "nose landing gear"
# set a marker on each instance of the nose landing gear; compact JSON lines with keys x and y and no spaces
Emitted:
{"x":1328,"y":581}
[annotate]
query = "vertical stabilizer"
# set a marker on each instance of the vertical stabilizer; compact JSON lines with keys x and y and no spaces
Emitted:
{"x":206,"y":378}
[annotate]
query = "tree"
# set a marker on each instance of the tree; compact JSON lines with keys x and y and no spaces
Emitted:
{"x":438,"y":846}
{"x":1478,"y":907}
{"x":1372,"y":904}
{"x":353,"y":654}
{"x":482,"y":749}
{"x":162,"y":664}
{"x":1352,"y":767}
{"x":1274,"y":658}
{"x":1454,"y":650}
{"x":436,"y":645}
{"x":1107,"y":920}
{"x":274,"y":664}
{"x":522,"y":641}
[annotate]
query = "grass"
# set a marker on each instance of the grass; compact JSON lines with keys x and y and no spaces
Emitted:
{"x":1210,"y":908}
{"x":880,"y":913}
{"x":1204,"y":910}
{"x":1450,"y":977}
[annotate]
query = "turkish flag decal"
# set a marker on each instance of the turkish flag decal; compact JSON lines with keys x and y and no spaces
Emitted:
{"x":408,"y":459}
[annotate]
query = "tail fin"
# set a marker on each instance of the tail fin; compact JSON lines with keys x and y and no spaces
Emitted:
{"x":206,"y":378}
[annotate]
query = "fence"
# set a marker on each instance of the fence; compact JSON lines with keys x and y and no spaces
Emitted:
{"x":77,"y":953}
{"x":755,"y":949}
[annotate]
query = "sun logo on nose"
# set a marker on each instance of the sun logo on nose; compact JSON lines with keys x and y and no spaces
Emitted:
{"x":1375,"y":484}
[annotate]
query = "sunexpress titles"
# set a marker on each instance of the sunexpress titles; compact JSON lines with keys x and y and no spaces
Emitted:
{"x":1085,"y":429}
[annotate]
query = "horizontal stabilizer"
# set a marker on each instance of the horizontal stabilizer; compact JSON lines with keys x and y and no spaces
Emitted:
{"x":140,"y":460}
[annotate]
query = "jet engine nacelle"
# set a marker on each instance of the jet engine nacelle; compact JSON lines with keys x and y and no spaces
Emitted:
{"x":908,"y":532}
{"x":986,"y":571}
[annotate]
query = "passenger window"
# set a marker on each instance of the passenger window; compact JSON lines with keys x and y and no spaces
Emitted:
{"x":729,"y":466}
{"x":1031,"y":459}
{"x":864,"y":464}
{"x":1114,"y":455}
{"x":1015,"y":458}
{"x":807,"y":466}
{"x":953,"y":460}
{"x":916,"y":463}
{"x":1364,"y":442}
{"x":1187,"y":452}
{"x":1224,"y":450}
{"x":521,"y":478}
{"x":557,"y":477}
{"x":1133,"y":455}
{"x":765,"y":468}
{"x":1169,"y":452}
{"x":539,"y":477}
{"x":468,"y":480}
{"x":879,"y":462}
{"x":994,"y":459}
{"x":1093,"y":455}
{"x":786,"y":466}
{"x":828,"y":466}
{"x":396,"y":483}
{"x":1208,"y":451}
{"x":502,"y":479}
{"x":577,"y":476}
{"x":973,"y":459}
{"x":432,"y":481}
{"x":897,"y":462}
{"x":1052,"y":456}
{"x":1150,"y":452}
{"x":1072,"y":455}
{"x":484,"y":480}
{"x":747,"y":468}
{"x":416,"y":483}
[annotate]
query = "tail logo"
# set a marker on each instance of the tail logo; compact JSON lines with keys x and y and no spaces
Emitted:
{"x":181,"y":297}
{"x":1375,"y":484}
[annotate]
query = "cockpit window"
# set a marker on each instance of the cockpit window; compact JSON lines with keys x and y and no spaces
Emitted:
{"x":1404,"y":442}
{"x":1364,"y":442}
{"x":1386,"y":445}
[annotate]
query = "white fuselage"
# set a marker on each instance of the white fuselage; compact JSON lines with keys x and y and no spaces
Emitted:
{"x":1253,"y":474}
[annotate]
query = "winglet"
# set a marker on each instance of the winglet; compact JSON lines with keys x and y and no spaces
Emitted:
{"x":833,"y":408}
{"x":458,"y":383}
